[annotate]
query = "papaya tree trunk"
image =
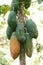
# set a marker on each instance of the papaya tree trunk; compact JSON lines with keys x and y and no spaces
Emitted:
{"x":22,"y":51}
{"x":22,"y":55}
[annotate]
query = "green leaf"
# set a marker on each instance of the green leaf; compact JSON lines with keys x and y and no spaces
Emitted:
{"x":26,"y":12}
{"x":42,"y":0}
{"x":38,"y":47}
{"x":40,"y":8}
{"x":39,"y":1}
{"x":4,"y":9}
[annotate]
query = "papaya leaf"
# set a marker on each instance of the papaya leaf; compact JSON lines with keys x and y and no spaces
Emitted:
{"x":4,"y":9}
{"x":39,"y":1}
{"x":26,"y":12}
{"x":38,"y":47}
{"x":42,"y":0}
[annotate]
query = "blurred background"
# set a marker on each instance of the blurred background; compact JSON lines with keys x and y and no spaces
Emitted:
{"x":36,"y":14}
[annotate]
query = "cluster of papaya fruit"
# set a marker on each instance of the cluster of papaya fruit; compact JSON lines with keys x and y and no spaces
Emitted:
{"x":15,"y":5}
{"x":17,"y":35}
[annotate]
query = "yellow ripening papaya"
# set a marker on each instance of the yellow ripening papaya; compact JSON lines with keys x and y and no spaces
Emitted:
{"x":14,"y":46}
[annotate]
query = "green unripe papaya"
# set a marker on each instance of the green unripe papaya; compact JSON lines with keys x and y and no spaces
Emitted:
{"x":27,"y":3}
{"x":15,"y":5}
{"x":20,"y":33}
{"x":12,"y":21}
{"x":9,"y":32}
{"x":32,"y":28}
{"x":28,"y":46}
{"x":21,"y":1}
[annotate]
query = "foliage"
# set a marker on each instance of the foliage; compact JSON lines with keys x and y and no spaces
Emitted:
{"x":3,"y":60}
{"x":4,"y":9}
{"x":27,"y":3}
{"x":40,"y":8}
{"x":39,"y":1}
{"x":39,"y":47}
{"x":26,"y":12}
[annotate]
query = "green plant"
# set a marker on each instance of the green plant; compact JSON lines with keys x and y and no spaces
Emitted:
{"x":25,"y":30}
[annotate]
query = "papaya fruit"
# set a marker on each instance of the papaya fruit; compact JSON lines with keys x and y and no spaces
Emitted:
{"x":15,"y":5}
{"x":39,"y":1}
{"x":20,"y":33}
{"x":9,"y":32}
{"x":31,"y":28}
{"x":14,"y":46}
{"x":21,"y":1}
{"x":27,"y":3}
{"x":28,"y":46}
{"x":12,"y":21}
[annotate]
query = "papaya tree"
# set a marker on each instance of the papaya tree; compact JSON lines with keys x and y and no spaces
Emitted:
{"x":24,"y":30}
{"x":21,"y":30}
